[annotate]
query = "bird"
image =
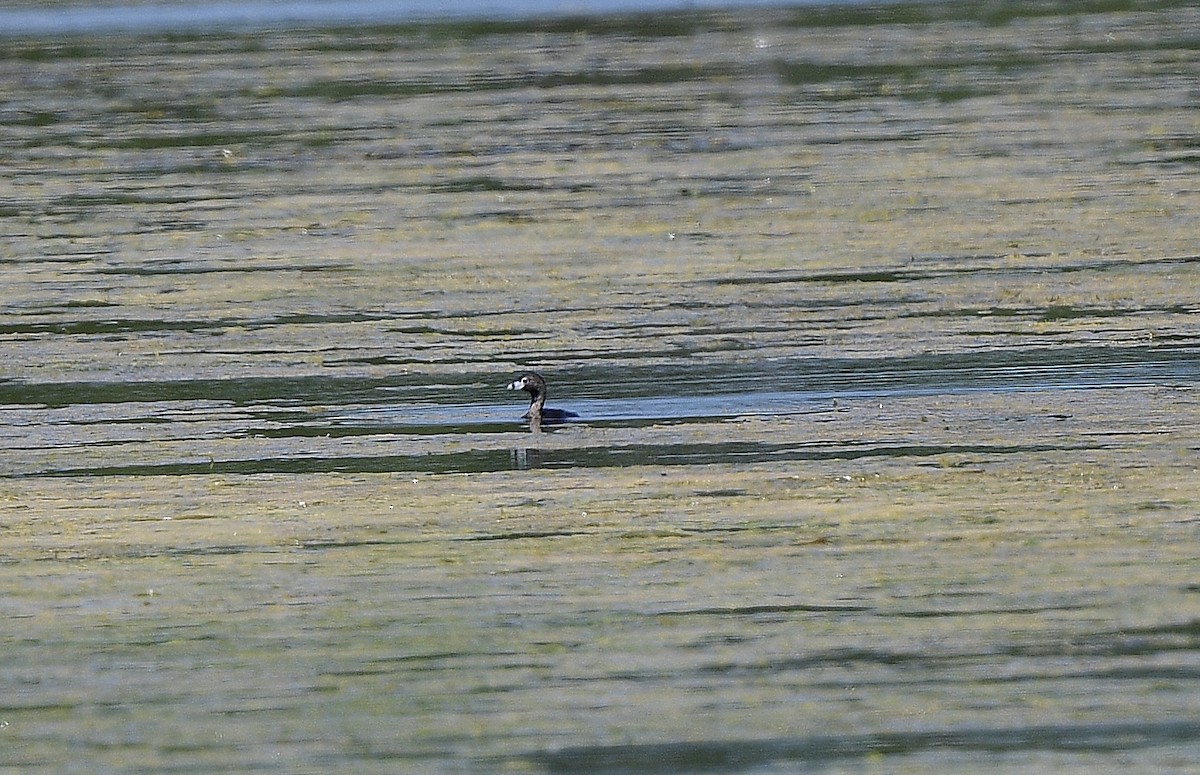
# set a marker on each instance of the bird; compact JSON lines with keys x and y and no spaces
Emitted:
{"x":535,"y":385}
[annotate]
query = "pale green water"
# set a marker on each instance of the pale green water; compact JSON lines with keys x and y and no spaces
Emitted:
{"x":881,"y":324}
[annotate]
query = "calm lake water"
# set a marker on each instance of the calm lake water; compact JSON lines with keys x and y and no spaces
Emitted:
{"x":58,"y":17}
{"x":881,"y":326}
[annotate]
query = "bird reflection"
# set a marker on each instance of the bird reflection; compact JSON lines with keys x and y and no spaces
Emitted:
{"x":524,"y":458}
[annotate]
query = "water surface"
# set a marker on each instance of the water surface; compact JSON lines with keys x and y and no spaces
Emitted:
{"x":881,"y":326}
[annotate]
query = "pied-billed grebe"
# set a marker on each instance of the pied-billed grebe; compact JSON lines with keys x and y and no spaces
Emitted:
{"x":533,"y":384}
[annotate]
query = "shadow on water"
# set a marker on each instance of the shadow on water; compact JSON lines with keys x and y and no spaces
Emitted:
{"x":484,"y":461}
{"x":742,"y":755}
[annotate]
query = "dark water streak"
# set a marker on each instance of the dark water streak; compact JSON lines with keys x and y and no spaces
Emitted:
{"x":748,"y":755}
